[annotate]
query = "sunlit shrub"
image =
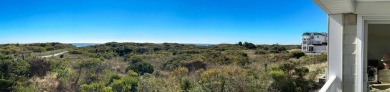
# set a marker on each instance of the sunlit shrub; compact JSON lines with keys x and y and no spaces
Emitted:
{"x":180,"y":72}
{"x":261,"y":52}
{"x":126,"y":84}
{"x":95,"y":87}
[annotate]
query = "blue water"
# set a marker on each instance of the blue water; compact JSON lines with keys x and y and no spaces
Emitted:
{"x":83,"y":44}
{"x":204,"y":44}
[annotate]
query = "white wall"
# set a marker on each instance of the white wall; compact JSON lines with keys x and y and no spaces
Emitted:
{"x":320,"y":49}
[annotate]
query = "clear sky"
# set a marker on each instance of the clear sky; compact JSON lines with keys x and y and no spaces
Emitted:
{"x":157,"y":21}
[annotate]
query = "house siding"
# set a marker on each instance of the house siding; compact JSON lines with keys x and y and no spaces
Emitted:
{"x":349,"y":51}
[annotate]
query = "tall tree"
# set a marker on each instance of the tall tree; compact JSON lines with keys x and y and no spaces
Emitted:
{"x":240,"y":43}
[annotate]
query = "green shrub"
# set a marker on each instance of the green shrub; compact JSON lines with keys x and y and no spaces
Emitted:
{"x":261,"y":52}
{"x":38,"y":49}
{"x":214,"y":57}
{"x":226,"y":78}
{"x":141,"y":50}
{"x":23,"y":89}
{"x":249,"y":45}
{"x":132,"y":59}
{"x":322,"y":57}
{"x":5,"y":85}
{"x":126,"y":84}
{"x":196,"y":65}
{"x":95,"y":87}
{"x":132,"y":73}
{"x":172,"y":64}
{"x":90,"y":63}
{"x":237,"y":57}
{"x":297,"y":54}
{"x":278,"y":48}
{"x":75,"y":52}
{"x":301,"y":71}
{"x":161,"y":84}
{"x":277,"y":75}
{"x":180,"y":72}
{"x":185,"y":85}
{"x":274,"y":51}
{"x":141,"y":68}
{"x":287,"y":66}
{"x":286,"y":81}
{"x":113,"y":78}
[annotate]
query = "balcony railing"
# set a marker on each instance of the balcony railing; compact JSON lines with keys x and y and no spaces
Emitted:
{"x":328,"y":84}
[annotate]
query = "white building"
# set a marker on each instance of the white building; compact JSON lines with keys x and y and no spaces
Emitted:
{"x":358,"y":35}
{"x":314,"y":42}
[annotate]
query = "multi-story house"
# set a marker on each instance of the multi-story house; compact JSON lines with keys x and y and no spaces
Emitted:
{"x":314,"y":42}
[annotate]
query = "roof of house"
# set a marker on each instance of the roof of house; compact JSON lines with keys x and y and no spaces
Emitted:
{"x":314,"y":33}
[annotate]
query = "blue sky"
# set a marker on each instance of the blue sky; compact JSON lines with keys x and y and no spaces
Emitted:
{"x":157,"y":21}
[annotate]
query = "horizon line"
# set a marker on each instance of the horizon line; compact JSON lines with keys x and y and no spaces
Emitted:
{"x":141,"y":42}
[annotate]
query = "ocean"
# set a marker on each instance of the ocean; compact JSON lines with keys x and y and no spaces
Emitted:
{"x":83,"y":44}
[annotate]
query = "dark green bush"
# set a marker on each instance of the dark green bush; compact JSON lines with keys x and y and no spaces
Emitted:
{"x":274,"y":51}
{"x":172,"y":64}
{"x":185,"y":85}
{"x":5,"y":85}
{"x":75,"y":52}
{"x":132,"y":59}
{"x":113,"y":78}
{"x":297,"y":54}
{"x":141,"y":68}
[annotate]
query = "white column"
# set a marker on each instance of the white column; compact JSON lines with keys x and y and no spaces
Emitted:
{"x":335,"y":51}
{"x":359,"y":80}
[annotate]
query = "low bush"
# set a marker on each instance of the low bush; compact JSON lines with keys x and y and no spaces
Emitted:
{"x":5,"y":85}
{"x":260,"y":52}
{"x":141,"y":68}
{"x":193,"y":66}
{"x":39,"y":67}
{"x":75,"y":52}
{"x":297,"y":54}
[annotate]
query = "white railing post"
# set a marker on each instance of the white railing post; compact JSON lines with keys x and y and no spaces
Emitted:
{"x":328,"y":84}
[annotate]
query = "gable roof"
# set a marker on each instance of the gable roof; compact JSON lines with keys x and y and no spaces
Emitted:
{"x":314,"y":33}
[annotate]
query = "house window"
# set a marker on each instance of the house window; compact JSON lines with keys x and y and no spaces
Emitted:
{"x":318,"y":36}
{"x":304,"y":42}
{"x":304,"y":47}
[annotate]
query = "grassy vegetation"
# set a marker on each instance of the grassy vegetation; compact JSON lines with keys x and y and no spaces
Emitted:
{"x":167,"y":67}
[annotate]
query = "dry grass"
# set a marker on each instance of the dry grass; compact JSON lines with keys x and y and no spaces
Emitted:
{"x":313,"y":67}
{"x":317,"y":69}
{"x":116,"y":65}
{"x":46,"y":84}
{"x":250,"y":53}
